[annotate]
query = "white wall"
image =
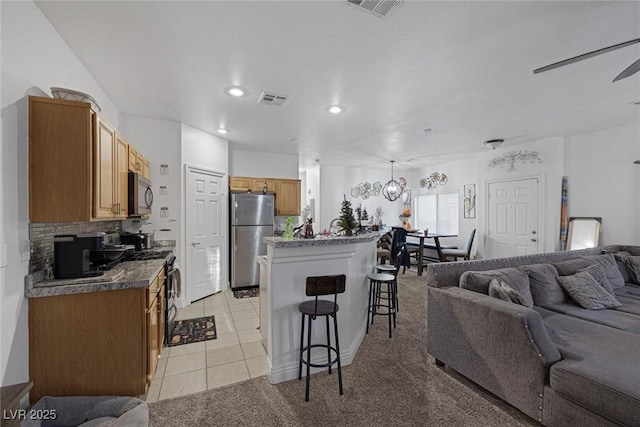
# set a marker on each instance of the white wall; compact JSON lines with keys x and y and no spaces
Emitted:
{"x":210,"y":152}
{"x":34,"y":58}
{"x":262,"y":164}
{"x":459,"y":173}
{"x":159,"y":141}
{"x":549,"y":171}
{"x":604,"y":182}
{"x":336,"y":181}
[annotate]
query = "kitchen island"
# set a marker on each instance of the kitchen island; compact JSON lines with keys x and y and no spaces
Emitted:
{"x":283,"y":273}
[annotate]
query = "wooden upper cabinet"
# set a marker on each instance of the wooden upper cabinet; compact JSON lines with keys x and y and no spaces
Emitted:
{"x":288,"y":197}
{"x":258,"y":184}
{"x":105,"y":205}
{"x":146,"y":166}
{"x":240,"y":183}
{"x":60,"y":160}
{"x":133,"y":159}
{"x":77,"y":163}
{"x":121,"y":172}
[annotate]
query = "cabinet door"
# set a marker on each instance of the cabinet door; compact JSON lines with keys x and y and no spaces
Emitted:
{"x":121,"y":171}
{"x":104,"y":203}
{"x":146,"y":166}
{"x":161,"y":318}
{"x":288,"y":197}
{"x":258,"y":184}
{"x":152,"y":338}
{"x":240,"y":183}
{"x":133,"y":159}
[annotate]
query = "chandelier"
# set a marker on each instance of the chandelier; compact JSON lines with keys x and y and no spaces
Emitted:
{"x":392,"y":189}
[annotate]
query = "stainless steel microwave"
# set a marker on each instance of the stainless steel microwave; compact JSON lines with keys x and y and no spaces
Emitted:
{"x":140,"y":195}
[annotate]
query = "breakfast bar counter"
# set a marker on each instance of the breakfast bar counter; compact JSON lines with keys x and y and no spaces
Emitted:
{"x":283,"y":273}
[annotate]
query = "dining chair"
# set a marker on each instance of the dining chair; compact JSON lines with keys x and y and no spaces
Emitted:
{"x":464,"y":252}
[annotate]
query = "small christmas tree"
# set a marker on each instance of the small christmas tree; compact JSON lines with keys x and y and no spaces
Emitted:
{"x":346,"y":222}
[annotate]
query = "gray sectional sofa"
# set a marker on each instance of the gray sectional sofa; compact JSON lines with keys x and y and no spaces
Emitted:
{"x":557,"y":362}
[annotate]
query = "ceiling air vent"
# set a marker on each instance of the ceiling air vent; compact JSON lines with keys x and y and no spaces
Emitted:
{"x":380,"y":8}
{"x":272,"y":99}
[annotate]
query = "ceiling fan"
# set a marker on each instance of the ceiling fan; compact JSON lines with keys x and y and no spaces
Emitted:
{"x":629,"y":71}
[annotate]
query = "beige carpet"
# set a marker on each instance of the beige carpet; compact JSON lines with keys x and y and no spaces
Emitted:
{"x":391,"y":382}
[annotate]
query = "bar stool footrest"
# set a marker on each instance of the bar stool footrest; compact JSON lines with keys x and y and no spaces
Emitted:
{"x":320,"y":365}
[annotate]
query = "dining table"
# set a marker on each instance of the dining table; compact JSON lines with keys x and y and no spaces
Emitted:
{"x":436,"y":240}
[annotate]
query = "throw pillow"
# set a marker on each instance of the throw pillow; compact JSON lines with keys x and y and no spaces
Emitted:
{"x":584,"y":290}
{"x":621,"y":260}
{"x":544,"y":286}
{"x":633,"y":265}
{"x":499,"y":289}
{"x":570,"y":266}
{"x":478,"y":281}
{"x":611,"y":267}
{"x":598,"y":272}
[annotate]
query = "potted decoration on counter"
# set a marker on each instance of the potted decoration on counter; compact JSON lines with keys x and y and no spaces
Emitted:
{"x":288,"y":228}
{"x":347,"y":222}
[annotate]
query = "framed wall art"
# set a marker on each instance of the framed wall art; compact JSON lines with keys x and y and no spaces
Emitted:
{"x":469,"y":201}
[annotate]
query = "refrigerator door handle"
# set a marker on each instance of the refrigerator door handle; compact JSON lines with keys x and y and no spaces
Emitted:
{"x":235,"y":238}
{"x":235,"y":212}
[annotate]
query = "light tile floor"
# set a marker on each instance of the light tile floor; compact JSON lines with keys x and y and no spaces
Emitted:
{"x":235,"y":355}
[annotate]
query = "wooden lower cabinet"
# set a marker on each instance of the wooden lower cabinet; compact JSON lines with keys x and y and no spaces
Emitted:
{"x":98,"y":343}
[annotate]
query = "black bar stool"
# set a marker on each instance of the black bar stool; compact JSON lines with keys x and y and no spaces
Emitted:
{"x":394,"y":269}
{"x":376,"y":281}
{"x":316,"y":286}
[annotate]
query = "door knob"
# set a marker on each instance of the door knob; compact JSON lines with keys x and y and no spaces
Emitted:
{"x":534,"y":240}
{"x":533,"y":232}
{"x":194,"y":244}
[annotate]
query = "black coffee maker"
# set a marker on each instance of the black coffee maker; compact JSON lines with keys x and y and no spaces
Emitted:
{"x":71,"y":255}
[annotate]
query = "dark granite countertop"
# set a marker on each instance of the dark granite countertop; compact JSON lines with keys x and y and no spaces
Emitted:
{"x":126,"y":275}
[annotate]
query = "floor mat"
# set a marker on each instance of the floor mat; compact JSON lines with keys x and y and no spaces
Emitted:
{"x":246,"y":293}
{"x":193,"y":330}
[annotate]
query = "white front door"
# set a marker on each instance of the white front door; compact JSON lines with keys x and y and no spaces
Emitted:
{"x":512,"y":218}
{"x":205,"y":233}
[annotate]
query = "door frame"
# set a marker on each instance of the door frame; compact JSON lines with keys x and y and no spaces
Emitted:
{"x":541,"y":231}
{"x":189,"y":167}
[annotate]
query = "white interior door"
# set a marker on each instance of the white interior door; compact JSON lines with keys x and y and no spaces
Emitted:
{"x":206,"y":256}
{"x":512,"y":218}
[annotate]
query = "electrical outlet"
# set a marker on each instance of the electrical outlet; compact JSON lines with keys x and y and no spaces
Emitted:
{"x":25,"y":250}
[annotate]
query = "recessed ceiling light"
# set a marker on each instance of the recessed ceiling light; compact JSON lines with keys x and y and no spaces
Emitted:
{"x":335,"y":109}
{"x":236,"y":91}
{"x":223,"y":131}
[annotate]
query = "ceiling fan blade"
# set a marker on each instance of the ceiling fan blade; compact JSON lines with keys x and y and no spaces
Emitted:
{"x":586,"y":56}
{"x":629,"y":71}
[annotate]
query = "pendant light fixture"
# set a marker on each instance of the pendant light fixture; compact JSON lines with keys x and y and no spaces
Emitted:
{"x":392,"y":189}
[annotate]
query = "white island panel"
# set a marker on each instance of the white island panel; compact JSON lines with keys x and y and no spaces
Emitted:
{"x":285,"y":269}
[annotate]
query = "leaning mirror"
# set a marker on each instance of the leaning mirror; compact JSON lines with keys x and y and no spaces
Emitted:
{"x":584,"y":232}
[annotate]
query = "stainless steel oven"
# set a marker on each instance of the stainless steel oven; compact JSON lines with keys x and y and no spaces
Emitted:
{"x":172,"y":290}
{"x":140,"y":195}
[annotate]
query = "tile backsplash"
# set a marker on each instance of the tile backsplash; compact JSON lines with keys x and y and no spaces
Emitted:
{"x":41,"y":236}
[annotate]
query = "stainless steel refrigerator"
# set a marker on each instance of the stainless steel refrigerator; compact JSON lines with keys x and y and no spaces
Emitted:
{"x":251,"y":221}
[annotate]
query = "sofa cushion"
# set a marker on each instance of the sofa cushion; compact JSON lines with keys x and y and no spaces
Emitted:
{"x":633,"y":267}
{"x":609,"y":263}
{"x":600,"y":370}
{"x":599,"y":273}
{"x":584,"y":290}
{"x":570,"y":266}
{"x":499,"y":289}
{"x":595,"y":384}
{"x":545,"y":289}
{"x":613,"y":318}
{"x":478,"y":281}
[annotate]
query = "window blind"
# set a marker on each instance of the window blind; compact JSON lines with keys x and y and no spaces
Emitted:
{"x":437,"y":212}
